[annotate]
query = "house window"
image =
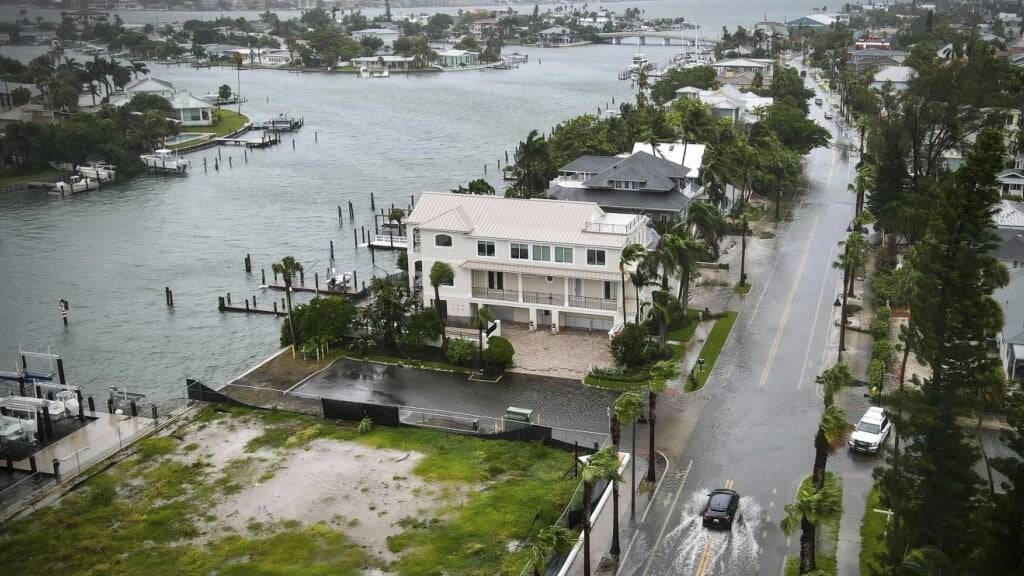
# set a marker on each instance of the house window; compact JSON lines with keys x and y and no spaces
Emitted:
{"x":542,"y":253}
{"x":520,"y":251}
{"x":443,"y":240}
{"x":611,"y":291}
{"x":626,"y":184}
{"x":563,"y":254}
{"x":595,"y":257}
{"x":485,"y":248}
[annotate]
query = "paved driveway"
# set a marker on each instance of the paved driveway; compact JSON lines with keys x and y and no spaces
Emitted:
{"x":568,"y":354}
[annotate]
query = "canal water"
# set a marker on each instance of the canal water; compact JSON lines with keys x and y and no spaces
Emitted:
{"x":110,"y":253}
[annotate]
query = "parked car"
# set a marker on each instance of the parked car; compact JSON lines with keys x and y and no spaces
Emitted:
{"x":817,"y":101}
{"x":720,"y":511}
{"x":828,"y":114}
{"x":871,"y":431}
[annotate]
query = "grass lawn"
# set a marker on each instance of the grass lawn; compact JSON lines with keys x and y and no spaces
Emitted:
{"x":742,"y":289}
{"x":872,"y":534}
{"x":685,"y":333}
{"x":224,"y":122}
{"x":826,"y":562}
{"x":148,"y":513}
{"x":9,"y":178}
{"x":713,"y":347}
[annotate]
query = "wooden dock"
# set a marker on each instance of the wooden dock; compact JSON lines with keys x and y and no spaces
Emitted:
{"x":263,"y":142}
{"x":223,"y":306}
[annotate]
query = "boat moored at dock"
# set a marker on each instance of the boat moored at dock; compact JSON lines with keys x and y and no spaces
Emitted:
{"x":282,"y":123}
{"x":165,"y":160}
{"x":98,"y":171}
{"x":74,"y":185}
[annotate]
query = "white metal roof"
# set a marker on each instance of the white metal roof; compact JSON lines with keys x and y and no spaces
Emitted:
{"x":529,"y":220}
{"x":895,"y":74}
{"x":1010,"y":214}
{"x":540,"y":270}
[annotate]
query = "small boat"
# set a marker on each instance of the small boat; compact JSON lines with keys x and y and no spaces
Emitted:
{"x":282,"y":123}
{"x":70,"y":401}
{"x":12,"y":429}
{"x":339,"y":281}
{"x":639,"y":63}
{"x":364,"y":72}
{"x":98,"y":171}
{"x":164,"y":160}
{"x":74,"y":185}
{"x":516,"y":57}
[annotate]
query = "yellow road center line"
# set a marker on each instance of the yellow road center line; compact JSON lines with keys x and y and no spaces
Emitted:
{"x":705,"y":560}
{"x":789,"y":305}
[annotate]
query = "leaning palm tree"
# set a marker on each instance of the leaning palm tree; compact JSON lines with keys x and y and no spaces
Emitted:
{"x":662,"y":305}
{"x":626,"y":409}
{"x":707,"y":221}
{"x":661,"y":373}
{"x":852,"y":258}
{"x":640,"y":277}
{"x":608,"y":465}
{"x":441,"y":273}
{"x":687,"y":253}
{"x":810,"y":508}
{"x":831,"y":431}
{"x":833,"y":380}
{"x":631,"y":254}
{"x":548,"y":541}
{"x":589,"y":473}
{"x":927,"y":561}
{"x":287,"y":268}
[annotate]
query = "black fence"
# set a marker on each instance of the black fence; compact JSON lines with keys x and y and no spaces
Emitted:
{"x":355,"y":411}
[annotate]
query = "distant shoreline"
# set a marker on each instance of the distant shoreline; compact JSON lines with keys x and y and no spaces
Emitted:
{"x":363,"y":5}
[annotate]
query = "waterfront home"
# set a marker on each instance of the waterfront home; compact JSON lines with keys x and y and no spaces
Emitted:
{"x":770,"y":28}
{"x":390,"y":62}
{"x":660,"y":184}
{"x":149,"y":85}
{"x":549,"y":263}
{"x":7,"y":90}
{"x":191,"y":111}
{"x":484,"y":25}
{"x":869,"y":42}
{"x":556,"y":35}
{"x":729,"y":102}
{"x":35,"y":113}
{"x":386,"y":35}
{"x":898,"y":76}
{"x":861,"y":59}
{"x":599,"y":20}
{"x":1011,"y":180}
{"x":453,"y":58}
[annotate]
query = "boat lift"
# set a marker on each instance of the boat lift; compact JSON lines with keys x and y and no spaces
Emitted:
{"x":22,"y":374}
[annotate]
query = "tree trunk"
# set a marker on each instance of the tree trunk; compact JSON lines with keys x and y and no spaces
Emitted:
{"x":444,"y":332}
{"x":616,"y":548}
{"x":291,"y":321}
{"x":743,"y":252}
{"x":632,"y":483}
{"x":586,"y":528}
{"x":637,"y":304}
{"x":820,"y":459}
{"x":843,"y":316}
{"x":807,"y":546}
{"x":622,"y":277}
{"x":652,"y":404}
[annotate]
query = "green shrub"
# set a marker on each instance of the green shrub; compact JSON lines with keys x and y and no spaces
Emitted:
{"x":461,"y":352}
{"x":882,"y":350}
{"x":630,"y":347}
{"x":619,"y":374}
{"x":499,"y":353}
{"x":365,"y":425}
{"x":880,"y":323}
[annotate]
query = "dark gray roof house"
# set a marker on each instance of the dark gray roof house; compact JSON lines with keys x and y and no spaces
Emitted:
{"x":639,"y":183}
{"x":1011,"y":299}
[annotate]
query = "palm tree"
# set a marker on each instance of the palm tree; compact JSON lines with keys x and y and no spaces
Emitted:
{"x":832,"y":430}
{"x":481,"y":320}
{"x":626,"y":410}
{"x":608,"y":466}
{"x":548,"y":541}
{"x":287,"y":268}
{"x":661,"y":373}
{"x":833,"y":380}
{"x":139,"y":68}
{"x":810,"y":508}
{"x":707,"y":221}
{"x":862,"y":183}
{"x":851,"y":259}
{"x":640,"y":278}
{"x":631,"y":254}
{"x":662,"y":306}
{"x":589,"y":472}
{"x":927,"y":561}
{"x":441,"y":273}
{"x":687,"y":253}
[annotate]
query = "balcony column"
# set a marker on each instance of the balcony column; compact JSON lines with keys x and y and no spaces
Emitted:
{"x":566,"y":279}
{"x":519,"y":285}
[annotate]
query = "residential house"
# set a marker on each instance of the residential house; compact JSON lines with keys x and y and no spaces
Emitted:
{"x":483,"y":26}
{"x":1010,"y":227}
{"x":5,"y":39}
{"x":556,"y":35}
{"x":898,"y":76}
{"x":729,"y":102}
{"x":599,"y":20}
{"x":869,"y":42}
{"x":386,"y":35}
{"x":861,"y":59}
{"x":772,"y":28}
{"x":391,"y":62}
{"x":661,"y":184}
{"x":7,"y":89}
{"x":742,"y":71}
{"x":549,"y":263}
{"x":1011,"y":180}
{"x":811,"y":22}
{"x":36,"y":113}
{"x":453,"y":58}
{"x":191,"y":111}
{"x":221,"y":50}
{"x":149,"y":85}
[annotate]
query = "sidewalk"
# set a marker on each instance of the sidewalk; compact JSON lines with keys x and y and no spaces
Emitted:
{"x":601,"y":561}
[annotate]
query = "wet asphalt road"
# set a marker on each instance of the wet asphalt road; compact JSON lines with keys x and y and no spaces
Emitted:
{"x":752,"y":425}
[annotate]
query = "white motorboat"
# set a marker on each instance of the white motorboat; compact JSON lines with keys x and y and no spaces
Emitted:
{"x":98,"y":171}
{"x":364,"y":72}
{"x":339,"y":280}
{"x":639,"y":63}
{"x":70,"y":401}
{"x":75,"y":184}
{"x":165,"y":160}
{"x":11,"y":428}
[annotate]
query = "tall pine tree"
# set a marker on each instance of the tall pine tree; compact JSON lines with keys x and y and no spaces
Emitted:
{"x":932,"y":486}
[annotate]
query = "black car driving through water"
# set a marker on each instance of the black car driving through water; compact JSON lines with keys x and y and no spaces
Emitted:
{"x":720,"y":511}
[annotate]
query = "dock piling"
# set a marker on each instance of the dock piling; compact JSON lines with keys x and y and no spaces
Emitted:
{"x":316,"y":137}
{"x":246,"y":304}
{"x":293,"y":143}
{"x":81,"y":406}
{"x":355,"y":238}
{"x":92,"y":404}
{"x":229,"y":162}
{"x":56,"y":469}
{"x":485,"y":169}
{"x":412,"y":200}
{"x":229,"y":297}
{"x":60,"y":372}
{"x":339,"y":213}
{"x":254,"y":301}
{"x":263,"y":276}
{"x":248,"y":263}
{"x":316,"y":282}
{"x":332,"y":249}
{"x":48,"y":422}
{"x":355,"y":281}
{"x":204,"y":165}
{"x":220,"y":305}
{"x":373,"y":260}
{"x":219,"y":157}
{"x":156,"y":417}
{"x":275,"y":306}
{"x":302,"y":278}
{"x":216,"y":165}
{"x":351,"y":212}
{"x":32,"y":461}
{"x":373,"y":205}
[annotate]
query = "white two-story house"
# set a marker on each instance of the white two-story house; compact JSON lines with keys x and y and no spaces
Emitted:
{"x":549,"y":263}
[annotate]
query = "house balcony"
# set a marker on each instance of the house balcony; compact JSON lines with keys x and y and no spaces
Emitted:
{"x":593,"y":303}
{"x":546,"y":298}
{"x":495,"y":294}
